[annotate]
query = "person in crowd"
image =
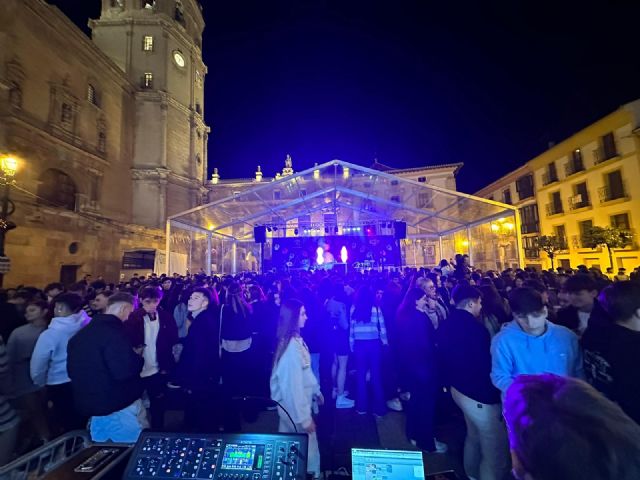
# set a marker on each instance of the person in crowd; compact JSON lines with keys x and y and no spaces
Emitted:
{"x":293,"y":384}
{"x":584,"y":309}
{"x":338,"y":317}
{"x":495,"y":308}
{"x":264,"y":335}
{"x":80,"y":289}
{"x":530,"y":344}
{"x":236,"y":336}
{"x":99,"y":304}
{"x":49,"y":360}
{"x":486,"y":454}
{"x":52,"y":290}
{"x":181,"y":311}
{"x":561,"y":428}
{"x":417,"y":347}
{"x":153,"y":329}
{"x":612,"y":351}
{"x":621,"y":276}
{"x":29,"y":398}
{"x":198,"y":370}
{"x":437,"y":310}
{"x":9,"y":419}
{"x":367,"y":335}
{"x":389,"y":296}
{"x":105,"y":375}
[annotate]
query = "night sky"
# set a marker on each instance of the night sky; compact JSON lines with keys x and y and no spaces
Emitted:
{"x":407,"y":82}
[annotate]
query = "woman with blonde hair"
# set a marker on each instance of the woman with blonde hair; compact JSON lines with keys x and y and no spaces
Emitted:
{"x":293,"y":384}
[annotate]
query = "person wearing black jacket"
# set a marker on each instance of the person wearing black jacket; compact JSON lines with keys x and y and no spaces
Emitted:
{"x":612,"y":352}
{"x":156,"y":330}
{"x":198,"y":370}
{"x":417,"y":352}
{"x":585,"y":310}
{"x":465,"y":351}
{"x":105,"y":375}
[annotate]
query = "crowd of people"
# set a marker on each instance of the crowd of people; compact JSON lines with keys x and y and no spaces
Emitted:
{"x":516,"y":344}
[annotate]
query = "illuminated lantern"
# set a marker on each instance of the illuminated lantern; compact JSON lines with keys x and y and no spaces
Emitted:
{"x":343,"y":254}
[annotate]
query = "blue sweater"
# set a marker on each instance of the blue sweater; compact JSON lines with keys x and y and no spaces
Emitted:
{"x":515,"y":352}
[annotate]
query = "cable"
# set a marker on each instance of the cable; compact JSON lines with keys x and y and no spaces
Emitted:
{"x":268,"y":400}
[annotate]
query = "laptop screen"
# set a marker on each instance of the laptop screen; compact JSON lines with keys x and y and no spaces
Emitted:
{"x":386,"y":464}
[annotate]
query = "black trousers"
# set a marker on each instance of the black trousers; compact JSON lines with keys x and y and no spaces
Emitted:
{"x":420,"y":414}
{"x":64,"y":416}
{"x":156,"y":387}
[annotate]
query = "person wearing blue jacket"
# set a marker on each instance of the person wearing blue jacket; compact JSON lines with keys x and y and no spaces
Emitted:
{"x":530,"y":344}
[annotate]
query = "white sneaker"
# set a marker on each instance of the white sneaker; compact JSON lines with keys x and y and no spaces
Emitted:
{"x":343,"y":402}
{"x":394,"y":404}
{"x":440,"y":446}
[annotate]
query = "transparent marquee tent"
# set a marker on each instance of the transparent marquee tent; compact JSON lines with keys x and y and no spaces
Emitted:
{"x":340,"y":198}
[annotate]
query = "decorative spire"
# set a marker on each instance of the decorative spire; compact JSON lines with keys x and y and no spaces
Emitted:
{"x":215,"y":177}
{"x":259,"y":174}
{"x":288,"y":166}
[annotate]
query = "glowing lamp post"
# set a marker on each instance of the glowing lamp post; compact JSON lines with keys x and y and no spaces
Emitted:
{"x":8,"y":169}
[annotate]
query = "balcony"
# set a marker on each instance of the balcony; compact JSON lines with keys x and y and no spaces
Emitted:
{"x":548,"y":178}
{"x":608,"y":194}
{"x":573,"y":167}
{"x":554,"y":209}
{"x":532,"y":253}
{"x":603,"y":154}
{"x":531,"y":227}
{"x":578,"y":201}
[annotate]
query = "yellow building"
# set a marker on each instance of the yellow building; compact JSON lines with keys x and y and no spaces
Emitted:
{"x":589,"y":179}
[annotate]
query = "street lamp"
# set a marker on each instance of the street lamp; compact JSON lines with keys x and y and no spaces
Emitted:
{"x":8,"y":169}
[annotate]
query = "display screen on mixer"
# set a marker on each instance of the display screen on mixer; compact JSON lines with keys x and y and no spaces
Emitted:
{"x":239,"y":457}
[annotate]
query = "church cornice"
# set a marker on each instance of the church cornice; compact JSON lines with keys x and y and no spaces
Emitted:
{"x":71,"y":36}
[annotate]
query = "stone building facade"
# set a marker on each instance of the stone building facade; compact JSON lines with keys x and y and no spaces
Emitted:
{"x":109,"y":132}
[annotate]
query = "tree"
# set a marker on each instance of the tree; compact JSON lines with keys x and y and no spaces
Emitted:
{"x":550,"y":244}
{"x":610,"y":237}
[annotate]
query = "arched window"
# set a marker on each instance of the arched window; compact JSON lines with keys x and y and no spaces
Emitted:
{"x":57,"y":189}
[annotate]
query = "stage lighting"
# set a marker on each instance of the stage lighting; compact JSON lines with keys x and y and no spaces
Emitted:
{"x":344,"y":256}
{"x":268,"y":229}
{"x":275,"y":229}
{"x":326,"y":230}
{"x":335,"y":229}
{"x":295,"y":231}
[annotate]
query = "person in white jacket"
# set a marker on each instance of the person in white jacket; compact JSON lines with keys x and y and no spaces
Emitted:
{"x":49,"y":360}
{"x":293,"y":383}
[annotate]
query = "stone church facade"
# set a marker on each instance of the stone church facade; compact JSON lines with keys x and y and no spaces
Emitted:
{"x":109,"y":132}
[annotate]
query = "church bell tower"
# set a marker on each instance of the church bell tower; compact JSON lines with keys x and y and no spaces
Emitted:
{"x":158,"y":44}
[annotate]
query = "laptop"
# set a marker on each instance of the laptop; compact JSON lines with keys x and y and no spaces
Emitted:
{"x":367,"y":464}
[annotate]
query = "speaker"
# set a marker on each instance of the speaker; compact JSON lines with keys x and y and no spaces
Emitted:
{"x":399,"y":230}
{"x":260,"y":234}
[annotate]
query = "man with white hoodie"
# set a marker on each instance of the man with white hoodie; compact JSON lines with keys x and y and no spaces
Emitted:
{"x":532,"y":345}
{"x":49,"y":359}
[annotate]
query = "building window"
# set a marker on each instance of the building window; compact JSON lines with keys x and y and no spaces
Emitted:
{"x":276,"y":194}
{"x":506,"y":196}
{"x":57,"y":189}
{"x":117,"y":3}
{"x":584,"y":227}
{"x":621,"y":221}
{"x":614,"y":187}
{"x":92,"y":95}
{"x":396,"y":198}
{"x":102,"y":142}
{"x":580,"y":198}
{"x":15,"y":95}
{"x":148,"y":4}
{"x":394,"y":183}
{"x":531,"y":249}
{"x":576,"y":164}
{"x":524,"y":187}
{"x":147,"y":80}
{"x":561,"y":234}
{"x":530,"y":219}
{"x":607,"y":148}
{"x":551,"y":175}
{"x":555,"y":206}
{"x":198,"y":79}
{"x":425,"y":199}
{"x":147,"y":43}
{"x":422,"y":179}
